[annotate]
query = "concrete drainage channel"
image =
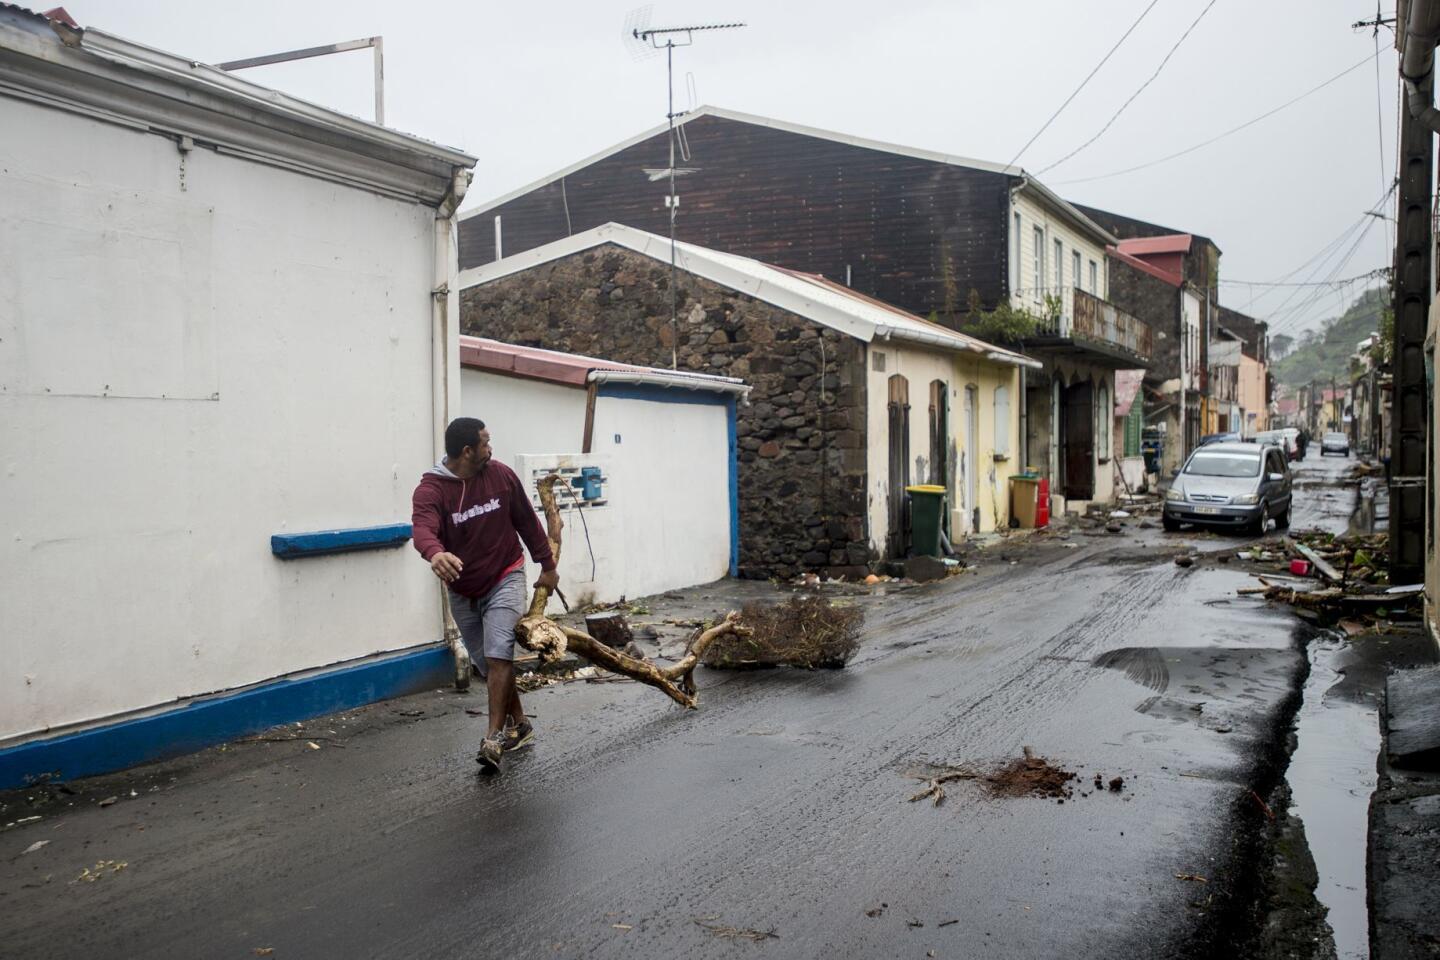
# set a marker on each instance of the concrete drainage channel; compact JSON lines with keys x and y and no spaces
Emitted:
{"x":1332,"y":775}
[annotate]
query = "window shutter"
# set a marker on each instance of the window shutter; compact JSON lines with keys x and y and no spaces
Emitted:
{"x":1002,"y":421}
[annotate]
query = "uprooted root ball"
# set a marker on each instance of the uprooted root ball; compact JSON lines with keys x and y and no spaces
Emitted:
{"x":804,"y":631}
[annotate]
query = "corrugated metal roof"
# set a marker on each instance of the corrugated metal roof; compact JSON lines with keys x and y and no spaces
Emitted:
{"x":573,"y":369}
{"x":1142,"y":246}
{"x":808,"y":295}
{"x":1174,"y":279}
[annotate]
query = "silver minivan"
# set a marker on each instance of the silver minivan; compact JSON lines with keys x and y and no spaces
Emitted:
{"x":1242,"y":485}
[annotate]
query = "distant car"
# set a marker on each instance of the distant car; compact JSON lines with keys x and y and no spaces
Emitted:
{"x":1335,"y":443}
{"x":1284,"y":439}
{"x":1243,"y":485}
{"x":1210,"y":438}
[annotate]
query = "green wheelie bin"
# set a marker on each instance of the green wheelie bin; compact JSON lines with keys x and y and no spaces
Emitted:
{"x":927,"y":517}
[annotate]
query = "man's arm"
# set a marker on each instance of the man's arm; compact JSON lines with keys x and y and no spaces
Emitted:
{"x":425,"y":512}
{"x":528,"y":525}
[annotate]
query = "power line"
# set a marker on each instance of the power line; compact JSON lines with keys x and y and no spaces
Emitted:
{"x":1299,"y":311}
{"x":1280,"y":318}
{"x":1087,"y":79}
{"x":1138,"y":91}
{"x":1221,"y":136}
{"x":1377,"y":272}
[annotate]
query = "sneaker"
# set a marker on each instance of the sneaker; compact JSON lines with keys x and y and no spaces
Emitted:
{"x":519,"y":736}
{"x":491,"y":749}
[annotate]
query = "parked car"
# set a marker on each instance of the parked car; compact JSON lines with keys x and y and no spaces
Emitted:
{"x":1230,"y":437}
{"x":1284,"y":439}
{"x":1243,"y":485}
{"x":1335,"y":443}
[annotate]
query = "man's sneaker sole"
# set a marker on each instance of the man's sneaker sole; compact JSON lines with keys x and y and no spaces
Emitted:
{"x":489,"y":763}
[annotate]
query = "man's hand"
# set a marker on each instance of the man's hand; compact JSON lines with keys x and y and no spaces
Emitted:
{"x":549,"y":579}
{"x":446,"y":566}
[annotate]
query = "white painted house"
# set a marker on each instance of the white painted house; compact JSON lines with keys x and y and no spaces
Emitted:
{"x":227,"y":352}
{"x":648,"y":456}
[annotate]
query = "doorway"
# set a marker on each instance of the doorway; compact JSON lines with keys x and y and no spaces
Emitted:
{"x":939,"y":465}
{"x":972,"y":460}
{"x":898,"y":409}
{"x":1077,"y":439}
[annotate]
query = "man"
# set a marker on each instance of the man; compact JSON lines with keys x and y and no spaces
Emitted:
{"x":469,"y":515}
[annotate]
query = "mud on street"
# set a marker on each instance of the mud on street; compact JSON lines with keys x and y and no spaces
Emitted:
{"x":778,"y":812}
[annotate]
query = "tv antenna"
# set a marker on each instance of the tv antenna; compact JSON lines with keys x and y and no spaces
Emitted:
{"x":644,"y":42}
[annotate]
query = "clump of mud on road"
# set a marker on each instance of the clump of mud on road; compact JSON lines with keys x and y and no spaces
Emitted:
{"x":805,"y":631}
{"x":1025,"y":776}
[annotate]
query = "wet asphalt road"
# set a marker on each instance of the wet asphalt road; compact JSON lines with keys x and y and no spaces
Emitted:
{"x":780,"y":805}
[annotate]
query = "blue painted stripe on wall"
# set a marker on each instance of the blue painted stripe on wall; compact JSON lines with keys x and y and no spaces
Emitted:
{"x":659,"y":394}
{"x":734,"y":463}
{"x":288,"y":546}
{"x":215,"y":720}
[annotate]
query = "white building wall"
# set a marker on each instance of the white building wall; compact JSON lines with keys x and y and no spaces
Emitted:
{"x":195,"y":353}
{"x":990,"y":490}
{"x":673,"y":479}
{"x":1021,"y":252}
{"x":524,"y":416}
{"x":668,"y":490}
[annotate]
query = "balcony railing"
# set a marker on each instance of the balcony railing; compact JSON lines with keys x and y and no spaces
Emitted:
{"x":1101,"y":322}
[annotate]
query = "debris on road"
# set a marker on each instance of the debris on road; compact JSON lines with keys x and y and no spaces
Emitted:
{"x":101,"y":869}
{"x":733,"y":933}
{"x":37,"y":845}
{"x":108,"y":801}
{"x":1026,"y":776}
{"x":806,"y":632}
{"x":1357,"y":571}
{"x":1191,"y":876}
{"x":877,"y":911}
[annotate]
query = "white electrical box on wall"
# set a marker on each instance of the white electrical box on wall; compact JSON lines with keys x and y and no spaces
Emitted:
{"x":592,"y":556}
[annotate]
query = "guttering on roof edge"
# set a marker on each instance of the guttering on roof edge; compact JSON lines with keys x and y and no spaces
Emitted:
{"x":678,"y":381}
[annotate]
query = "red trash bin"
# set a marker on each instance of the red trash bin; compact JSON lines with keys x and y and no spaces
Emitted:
{"x":1042,"y":505}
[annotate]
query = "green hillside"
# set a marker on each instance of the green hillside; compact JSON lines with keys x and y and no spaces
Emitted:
{"x":1326,"y":353}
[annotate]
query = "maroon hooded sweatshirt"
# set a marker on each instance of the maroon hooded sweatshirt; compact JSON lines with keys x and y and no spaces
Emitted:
{"x":481,"y":520}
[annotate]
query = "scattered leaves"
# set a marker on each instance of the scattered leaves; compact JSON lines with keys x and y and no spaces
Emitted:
{"x":102,"y":868}
{"x":1191,"y":876}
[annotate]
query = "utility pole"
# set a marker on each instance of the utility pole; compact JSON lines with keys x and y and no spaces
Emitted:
{"x":1408,"y":427}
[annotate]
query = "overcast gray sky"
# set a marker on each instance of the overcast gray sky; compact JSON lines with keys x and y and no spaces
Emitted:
{"x":531,"y":87}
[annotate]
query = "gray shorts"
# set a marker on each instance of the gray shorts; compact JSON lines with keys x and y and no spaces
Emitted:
{"x":488,"y":628}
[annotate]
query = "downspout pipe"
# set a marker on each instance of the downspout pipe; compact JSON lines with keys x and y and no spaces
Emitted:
{"x":1417,"y":58}
{"x":444,"y":354}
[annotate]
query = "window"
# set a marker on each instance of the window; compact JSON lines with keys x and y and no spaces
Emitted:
{"x":1002,"y":422}
{"x":1019,"y":272}
{"x":1075,"y":268}
{"x":1039,"y":255}
{"x":1059,"y":266}
{"x":1107,"y":418}
{"x":1094,"y":278}
{"x":1223,"y":465}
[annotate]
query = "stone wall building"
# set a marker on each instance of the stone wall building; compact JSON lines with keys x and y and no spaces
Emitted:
{"x":826,"y":444}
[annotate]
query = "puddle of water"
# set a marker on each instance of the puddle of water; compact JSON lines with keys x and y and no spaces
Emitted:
{"x":1332,"y":775}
